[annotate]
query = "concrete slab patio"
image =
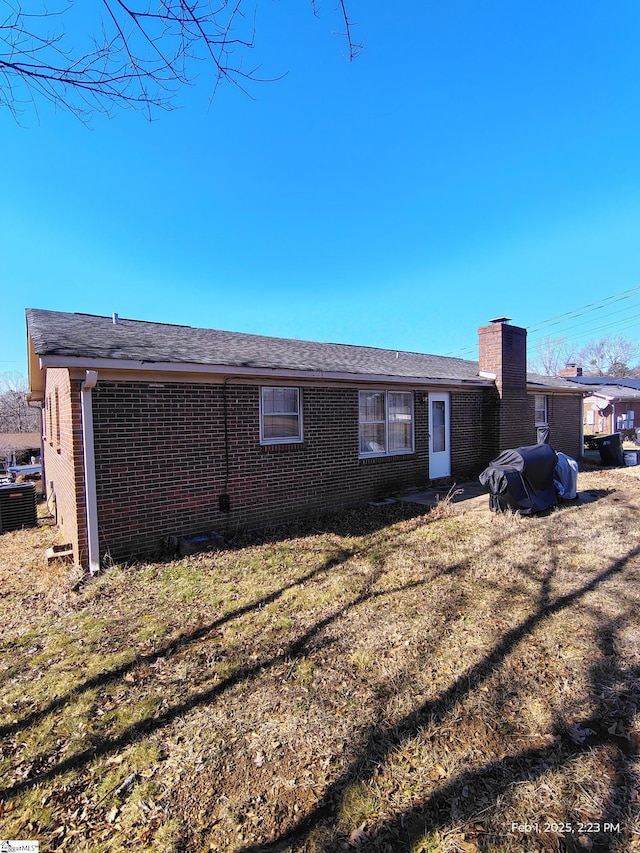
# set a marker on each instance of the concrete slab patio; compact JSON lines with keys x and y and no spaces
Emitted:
{"x":473,"y":496}
{"x":457,"y":492}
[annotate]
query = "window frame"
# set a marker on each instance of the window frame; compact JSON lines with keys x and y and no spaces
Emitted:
{"x":625,"y":420}
{"x":297,"y":439}
{"x":538,"y":422}
{"x":58,"y":428}
{"x":387,"y":452}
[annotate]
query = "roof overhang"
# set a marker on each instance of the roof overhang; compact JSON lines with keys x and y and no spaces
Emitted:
{"x":551,"y":389}
{"x":36,"y":372}
{"x":614,"y":398}
{"x":242,"y":371}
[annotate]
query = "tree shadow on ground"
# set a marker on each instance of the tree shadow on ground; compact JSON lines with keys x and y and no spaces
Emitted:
{"x":47,"y":767}
{"x":403,"y":831}
{"x":166,"y":649}
{"x":352,"y":524}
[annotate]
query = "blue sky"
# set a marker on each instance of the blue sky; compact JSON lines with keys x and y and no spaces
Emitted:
{"x":476,"y":160}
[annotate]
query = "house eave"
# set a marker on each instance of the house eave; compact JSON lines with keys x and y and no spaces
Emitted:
{"x":240,"y":371}
{"x":608,"y":400}
{"x":550,"y":389}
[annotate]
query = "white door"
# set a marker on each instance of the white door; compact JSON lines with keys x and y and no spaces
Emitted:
{"x":439,"y":436}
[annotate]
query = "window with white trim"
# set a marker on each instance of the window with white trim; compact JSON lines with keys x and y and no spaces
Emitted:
{"x":625,"y":421}
{"x":385,"y":423}
{"x":542,"y":410}
{"x":280,"y":415}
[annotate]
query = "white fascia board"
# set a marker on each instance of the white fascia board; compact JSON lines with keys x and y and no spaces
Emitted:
{"x":550,"y":389}
{"x":241,"y":371}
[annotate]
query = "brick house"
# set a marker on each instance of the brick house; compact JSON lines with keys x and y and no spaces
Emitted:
{"x":611,"y":404}
{"x":15,"y":446}
{"x":152,"y":430}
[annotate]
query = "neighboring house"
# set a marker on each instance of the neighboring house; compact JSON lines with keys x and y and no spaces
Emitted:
{"x":612,"y":403}
{"x":153,"y":430}
{"x":17,"y":447}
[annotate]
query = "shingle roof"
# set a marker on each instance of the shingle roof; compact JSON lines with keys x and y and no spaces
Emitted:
{"x":613,"y":392}
{"x":93,"y":337}
{"x":19,"y":440}
{"x":625,"y":381}
{"x":556,"y":382}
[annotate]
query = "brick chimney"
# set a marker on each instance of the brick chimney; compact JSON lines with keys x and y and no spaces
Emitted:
{"x":503,"y":356}
{"x":571,"y":370}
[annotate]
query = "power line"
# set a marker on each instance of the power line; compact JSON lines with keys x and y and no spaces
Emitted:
{"x":580,"y":312}
{"x":592,"y":320}
{"x":617,"y":325}
{"x":574,"y":314}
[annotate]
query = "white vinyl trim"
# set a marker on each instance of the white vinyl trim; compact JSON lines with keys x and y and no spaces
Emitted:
{"x":91,"y":500}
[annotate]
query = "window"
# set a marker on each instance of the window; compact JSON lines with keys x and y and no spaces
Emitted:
{"x":438,"y":426}
{"x":280,"y":416}
{"x":386,"y":423}
{"x":46,"y":432}
{"x":542,"y":410}
{"x":57,"y":418}
{"x":625,"y":421}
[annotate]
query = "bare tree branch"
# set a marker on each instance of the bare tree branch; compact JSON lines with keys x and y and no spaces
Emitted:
{"x":551,"y":354}
{"x":611,"y":356}
{"x":139,"y":54}
{"x":15,"y":414}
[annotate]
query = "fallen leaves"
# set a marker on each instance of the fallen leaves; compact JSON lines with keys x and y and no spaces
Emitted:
{"x":579,"y":733}
{"x":358,"y":837}
{"x":422,"y":676}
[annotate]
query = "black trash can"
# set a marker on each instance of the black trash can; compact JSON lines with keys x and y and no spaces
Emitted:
{"x":610,"y":448}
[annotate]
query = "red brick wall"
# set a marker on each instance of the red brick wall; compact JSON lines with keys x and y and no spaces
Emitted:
{"x":503,"y":351}
{"x":474,"y":430}
{"x":607,"y":420}
{"x":160,"y":459}
{"x":565,"y":415}
{"x":63,"y":457}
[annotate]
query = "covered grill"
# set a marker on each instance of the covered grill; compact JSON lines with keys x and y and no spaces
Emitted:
{"x":522,"y":480}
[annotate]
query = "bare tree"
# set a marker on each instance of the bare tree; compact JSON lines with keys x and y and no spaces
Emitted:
{"x":612,"y":356}
{"x":137,"y":53}
{"x":15,"y":414}
{"x":550,"y":355}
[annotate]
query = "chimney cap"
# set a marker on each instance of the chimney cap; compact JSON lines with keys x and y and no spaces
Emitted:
{"x":500,"y":320}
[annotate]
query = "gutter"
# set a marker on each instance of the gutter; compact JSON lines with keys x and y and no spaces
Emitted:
{"x":91,"y":503}
{"x":233,"y":371}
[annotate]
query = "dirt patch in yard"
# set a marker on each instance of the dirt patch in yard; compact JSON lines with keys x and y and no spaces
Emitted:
{"x":386,"y":681}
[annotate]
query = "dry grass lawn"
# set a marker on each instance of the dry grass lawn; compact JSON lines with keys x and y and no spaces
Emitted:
{"x":384,"y":681}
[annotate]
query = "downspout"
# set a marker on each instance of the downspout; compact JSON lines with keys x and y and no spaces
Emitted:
{"x":224,"y":503}
{"x":91,"y":503}
{"x":43,"y":473}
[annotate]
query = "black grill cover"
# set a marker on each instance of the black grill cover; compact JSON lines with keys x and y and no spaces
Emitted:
{"x":522,"y":479}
